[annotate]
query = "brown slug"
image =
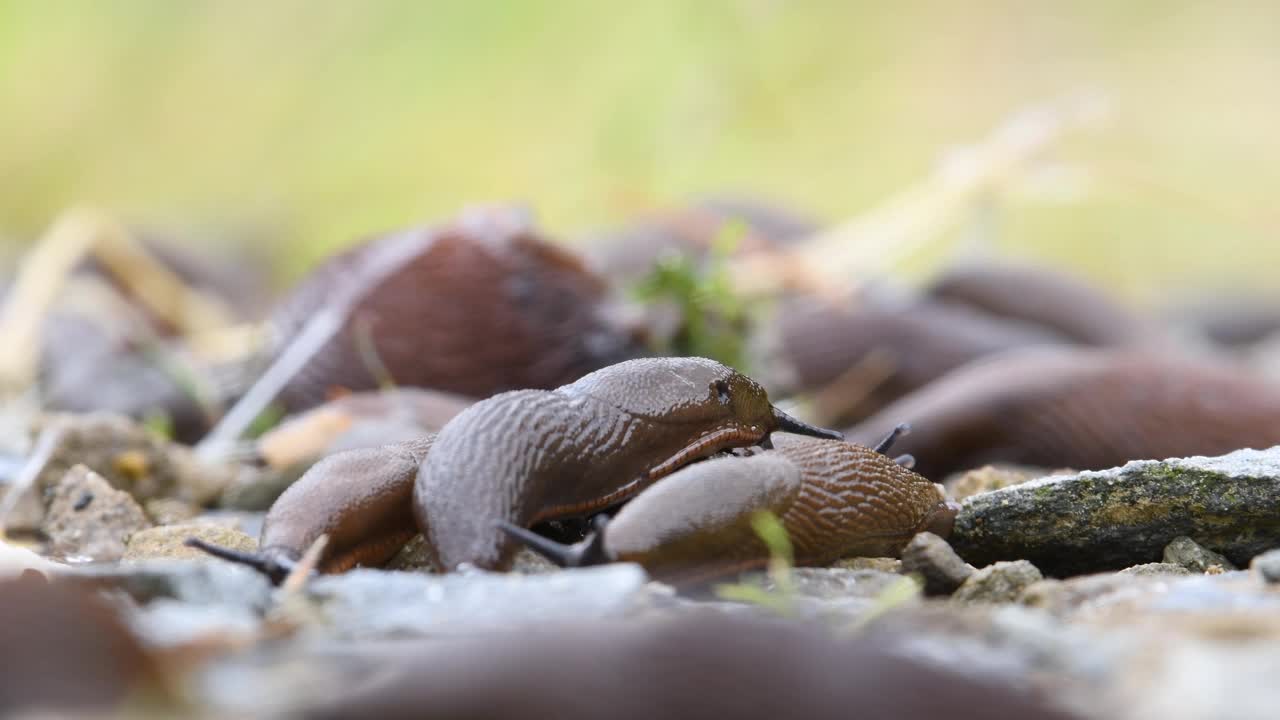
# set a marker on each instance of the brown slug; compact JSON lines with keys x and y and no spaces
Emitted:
{"x":1063,"y":303}
{"x":521,"y":457}
{"x":530,"y":455}
{"x":1080,"y":408}
{"x":834,"y":499}
{"x":475,"y":306}
{"x":815,"y":345}
{"x":362,"y":499}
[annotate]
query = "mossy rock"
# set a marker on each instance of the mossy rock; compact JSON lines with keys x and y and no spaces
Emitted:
{"x":1112,"y":519}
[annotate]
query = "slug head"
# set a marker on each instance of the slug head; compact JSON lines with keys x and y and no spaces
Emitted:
{"x":942,"y":519}
{"x":691,"y":390}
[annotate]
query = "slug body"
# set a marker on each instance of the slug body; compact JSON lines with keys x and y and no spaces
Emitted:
{"x":890,"y":347}
{"x":477,"y":306}
{"x":361,"y":499}
{"x":834,"y":499}
{"x":1075,"y":310}
{"x":528,"y":456}
{"x":1083,"y":409}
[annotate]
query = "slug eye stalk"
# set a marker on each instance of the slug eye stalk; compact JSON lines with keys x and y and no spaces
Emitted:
{"x":274,"y":570}
{"x":883,"y":446}
{"x":588,"y":552}
{"x":786,"y":423}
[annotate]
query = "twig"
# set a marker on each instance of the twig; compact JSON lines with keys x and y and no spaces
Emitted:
{"x":74,"y":235}
{"x":380,"y":262}
{"x":300,"y":572}
{"x":36,"y":462}
{"x":871,"y":243}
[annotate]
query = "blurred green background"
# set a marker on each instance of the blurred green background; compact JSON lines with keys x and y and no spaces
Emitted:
{"x":320,"y":121}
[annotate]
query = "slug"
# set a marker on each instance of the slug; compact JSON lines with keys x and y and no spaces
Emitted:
{"x":1065,"y":304}
{"x":887,"y":348}
{"x":476,"y":306}
{"x":362,"y":499}
{"x":1083,"y":409}
{"x":834,"y":499}
{"x":528,"y":456}
{"x":521,"y":457}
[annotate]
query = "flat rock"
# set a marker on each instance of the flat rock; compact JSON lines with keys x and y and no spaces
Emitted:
{"x":202,"y":583}
{"x":88,"y":520}
{"x":1115,"y":518}
{"x":930,"y":557}
{"x":1160,"y":568}
{"x":1191,"y":555}
{"x":373,"y":603}
{"x":167,"y":541}
{"x":889,"y":565}
{"x":1000,"y":582}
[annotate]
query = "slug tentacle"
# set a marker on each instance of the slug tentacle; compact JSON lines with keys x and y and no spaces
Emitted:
{"x":906,"y":460}
{"x":786,"y":423}
{"x":275,"y":569}
{"x":898,"y":431}
{"x":588,"y":552}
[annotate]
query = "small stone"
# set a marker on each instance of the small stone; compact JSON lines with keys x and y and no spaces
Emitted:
{"x":167,"y":541}
{"x":90,"y":520}
{"x":1186,"y":552}
{"x":126,"y":455}
{"x":1001,"y":582}
{"x":888,"y":565}
{"x":170,"y":511}
{"x":1267,"y":565}
{"x":933,"y":559}
{"x":531,"y":563}
{"x":1160,"y":568}
{"x":412,"y":557}
{"x":986,"y":479}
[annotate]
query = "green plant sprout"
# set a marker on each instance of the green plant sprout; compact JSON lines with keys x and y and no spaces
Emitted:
{"x":713,"y":318}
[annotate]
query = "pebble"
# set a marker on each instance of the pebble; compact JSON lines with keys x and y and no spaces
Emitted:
{"x":1160,"y":568}
{"x":167,"y":541}
{"x":930,"y":557}
{"x":1191,"y":555}
{"x":1001,"y":582}
{"x":889,"y":565}
{"x":991,"y":477}
{"x":126,"y":455}
{"x":88,"y":520}
{"x":1267,"y":566}
{"x":170,"y":511}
